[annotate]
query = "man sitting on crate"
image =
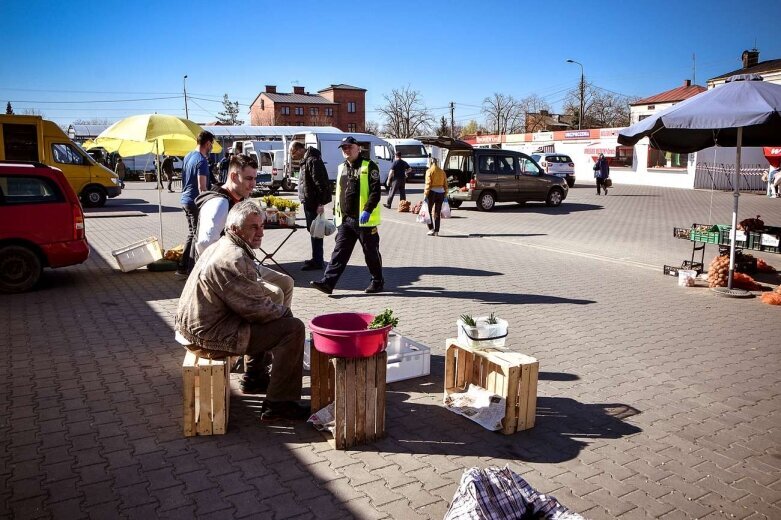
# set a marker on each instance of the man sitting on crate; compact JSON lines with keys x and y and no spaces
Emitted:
{"x":224,"y":311}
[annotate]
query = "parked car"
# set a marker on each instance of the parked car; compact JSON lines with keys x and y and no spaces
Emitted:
{"x":557,"y":164}
{"x":43,"y":224}
{"x":487,"y":176}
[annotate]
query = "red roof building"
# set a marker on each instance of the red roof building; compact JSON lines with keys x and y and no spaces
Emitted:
{"x":342,"y":106}
{"x":642,"y":108}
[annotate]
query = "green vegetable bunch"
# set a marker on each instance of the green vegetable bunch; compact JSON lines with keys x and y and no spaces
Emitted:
{"x":383,"y":319}
{"x":468,"y":320}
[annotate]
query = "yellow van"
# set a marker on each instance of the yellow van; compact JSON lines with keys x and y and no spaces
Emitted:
{"x":32,"y":138}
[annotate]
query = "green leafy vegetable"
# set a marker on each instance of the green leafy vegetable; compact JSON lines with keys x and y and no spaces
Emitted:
{"x":492,"y":319}
{"x":468,"y":320}
{"x":383,"y":319}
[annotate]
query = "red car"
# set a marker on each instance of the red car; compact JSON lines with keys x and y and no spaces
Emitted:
{"x":41,"y":224}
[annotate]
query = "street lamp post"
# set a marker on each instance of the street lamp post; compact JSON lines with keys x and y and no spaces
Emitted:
{"x":582,"y":91}
{"x":186,"y":112}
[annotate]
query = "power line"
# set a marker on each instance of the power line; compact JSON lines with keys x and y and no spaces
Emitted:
{"x":94,"y":101}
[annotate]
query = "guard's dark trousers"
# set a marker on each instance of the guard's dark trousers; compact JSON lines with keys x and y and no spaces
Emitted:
{"x":347,"y":235}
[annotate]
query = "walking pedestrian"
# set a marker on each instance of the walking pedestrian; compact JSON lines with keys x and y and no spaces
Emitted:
{"x":434,"y":193}
{"x":601,"y":172}
{"x":357,"y":216}
{"x":773,"y":179}
{"x":121,"y":171}
{"x":195,"y":179}
{"x":397,"y":179}
{"x":314,"y":191}
{"x":168,"y":172}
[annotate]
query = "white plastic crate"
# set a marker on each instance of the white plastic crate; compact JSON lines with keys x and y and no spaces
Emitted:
{"x":138,"y":254}
{"x":406,"y":358}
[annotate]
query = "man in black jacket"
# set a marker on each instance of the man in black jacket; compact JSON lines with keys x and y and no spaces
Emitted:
{"x":314,"y":190}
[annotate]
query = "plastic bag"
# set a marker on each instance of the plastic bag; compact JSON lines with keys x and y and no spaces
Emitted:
{"x":330,"y":227}
{"x":317,"y":228}
{"x":423,"y":215}
{"x":445,"y":211}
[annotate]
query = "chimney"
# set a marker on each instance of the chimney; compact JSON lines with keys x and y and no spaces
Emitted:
{"x":750,"y":58}
{"x":687,"y":83}
{"x":298,"y":90}
{"x":271,"y":89}
{"x":544,"y":113}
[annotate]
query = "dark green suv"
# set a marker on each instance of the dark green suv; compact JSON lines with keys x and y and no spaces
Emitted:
{"x":487,"y":176}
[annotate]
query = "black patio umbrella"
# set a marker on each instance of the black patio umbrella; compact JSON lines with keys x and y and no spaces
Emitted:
{"x":744,"y":111}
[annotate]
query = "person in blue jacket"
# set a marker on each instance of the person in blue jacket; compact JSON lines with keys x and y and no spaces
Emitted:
{"x":601,"y":173}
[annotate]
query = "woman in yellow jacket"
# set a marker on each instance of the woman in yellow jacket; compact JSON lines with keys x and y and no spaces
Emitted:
{"x":434,"y":193}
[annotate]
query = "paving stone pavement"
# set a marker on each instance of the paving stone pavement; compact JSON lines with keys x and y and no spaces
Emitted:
{"x":654,"y":401}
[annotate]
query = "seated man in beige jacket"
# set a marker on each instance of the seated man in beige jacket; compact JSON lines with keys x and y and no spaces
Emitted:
{"x":225,"y":311}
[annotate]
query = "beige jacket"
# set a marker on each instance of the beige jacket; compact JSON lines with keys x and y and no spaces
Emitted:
{"x":221,"y":298}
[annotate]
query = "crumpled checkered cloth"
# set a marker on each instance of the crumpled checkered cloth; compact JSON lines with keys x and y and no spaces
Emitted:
{"x":501,"y":494}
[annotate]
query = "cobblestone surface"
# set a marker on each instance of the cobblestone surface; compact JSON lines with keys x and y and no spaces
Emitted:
{"x":654,"y":401}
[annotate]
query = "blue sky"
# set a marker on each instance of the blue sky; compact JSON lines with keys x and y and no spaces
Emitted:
{"x":82,"y":59}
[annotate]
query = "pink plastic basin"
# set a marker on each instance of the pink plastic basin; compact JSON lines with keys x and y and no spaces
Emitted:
{"x":345,"y":335}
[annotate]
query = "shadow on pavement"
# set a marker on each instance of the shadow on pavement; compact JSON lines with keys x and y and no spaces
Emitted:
{"x":557,"y":376}
{"x":565,"y":208}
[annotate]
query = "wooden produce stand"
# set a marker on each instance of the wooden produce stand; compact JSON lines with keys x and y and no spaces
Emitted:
{"x":511,"y":375}
{"x":206,"y":386}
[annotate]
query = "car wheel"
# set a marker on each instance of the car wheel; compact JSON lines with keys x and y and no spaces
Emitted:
{"x":20,"y":269}
{"x":555,"y":197}
{"x":93,"y":197}
{"x":487,"y":201}
{"x":287,"y":185}
{"x":454,"y":203}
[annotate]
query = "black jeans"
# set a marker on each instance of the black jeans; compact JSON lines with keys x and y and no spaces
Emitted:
{"x":347,"y":235}
{"x":434,"y":202}
{"x":317,"y":243}
{"x":601,"y":184}
{"x":396,"y":187}
{"x":191,"y":213}
{"x":284,"y":339}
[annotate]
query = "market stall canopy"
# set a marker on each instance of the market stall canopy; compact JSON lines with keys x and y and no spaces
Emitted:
{"x":773,"y":154}
{"x":713,"y":118}
{"x":151,"y":133}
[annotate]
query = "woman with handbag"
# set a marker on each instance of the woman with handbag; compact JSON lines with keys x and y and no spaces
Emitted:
{"x":434,"y":194}
{"x":602,"y":173}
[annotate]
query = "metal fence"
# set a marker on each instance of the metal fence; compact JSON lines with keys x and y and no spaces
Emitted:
{"x":720,"y":177}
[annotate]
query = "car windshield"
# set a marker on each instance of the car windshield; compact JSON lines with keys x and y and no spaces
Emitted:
{"x":411,"y":150}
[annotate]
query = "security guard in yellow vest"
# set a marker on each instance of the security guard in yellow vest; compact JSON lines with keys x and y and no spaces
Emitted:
{"x":357,"y":213}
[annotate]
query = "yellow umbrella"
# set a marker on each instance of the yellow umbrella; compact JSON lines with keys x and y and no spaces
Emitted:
{"x":152,"y":133}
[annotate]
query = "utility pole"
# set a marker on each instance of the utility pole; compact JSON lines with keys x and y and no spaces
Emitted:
{"x":582,"y":92}
{"x":452,"y":120}
{"x":186,"y":112}
{"x":694,"y":69}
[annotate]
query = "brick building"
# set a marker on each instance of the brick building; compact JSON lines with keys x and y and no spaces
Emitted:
{"x":341,"y":106}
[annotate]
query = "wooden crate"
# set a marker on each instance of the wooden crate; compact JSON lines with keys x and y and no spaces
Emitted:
{"x":511,"y":375}
{"x":357,"y":389}
{"x":206,"y":395}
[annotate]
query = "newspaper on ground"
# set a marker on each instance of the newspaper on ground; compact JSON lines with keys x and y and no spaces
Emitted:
{"x":324,"y":419}
{"x":479,"y":405}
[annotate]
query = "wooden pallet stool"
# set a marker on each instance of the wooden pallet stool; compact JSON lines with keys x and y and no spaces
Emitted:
{"x":357,"y":389}
{"x":511,"y":375}
{"x":206,"y":395}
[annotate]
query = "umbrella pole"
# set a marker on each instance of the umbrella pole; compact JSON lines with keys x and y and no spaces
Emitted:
{"x":735,"y":196}
{"x":159,"y":197}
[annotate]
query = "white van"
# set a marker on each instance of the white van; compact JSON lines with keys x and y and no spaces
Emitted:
{"x":373,"y":147}
{"x":414,"y":153}
{"x":271,"y":156}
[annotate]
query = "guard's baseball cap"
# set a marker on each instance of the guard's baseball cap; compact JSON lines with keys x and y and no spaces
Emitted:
{"x":347,"y":141}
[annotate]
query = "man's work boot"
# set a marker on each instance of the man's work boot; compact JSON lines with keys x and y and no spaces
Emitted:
{"x":321,"y":286}
{"x":285,"y":410}
{"x":375,"y":287}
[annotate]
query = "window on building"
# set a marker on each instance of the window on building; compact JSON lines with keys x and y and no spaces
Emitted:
{"x":651,"y":107}
{"x":285,"y":111}
{"x":351,"y":127}
{"x":313,"y":111}
{"x":641,"y":117}
{"x":263,"y":104}
{"x":351,"y":107}
{"x":329,"y":112}
{"x":299,"y":111}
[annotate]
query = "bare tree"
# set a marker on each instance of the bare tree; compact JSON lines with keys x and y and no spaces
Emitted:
{"x":532,"y":104}
{"x":503,"y":114}
{"x":31,"y":112}
{"x":601,"y":108}
{"x":372,"y":127}
{"x":405,"y":114}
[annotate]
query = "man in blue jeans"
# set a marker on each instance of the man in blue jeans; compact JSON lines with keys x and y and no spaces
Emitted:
{"x":195,"y":179}
{"x":314,"y":191}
